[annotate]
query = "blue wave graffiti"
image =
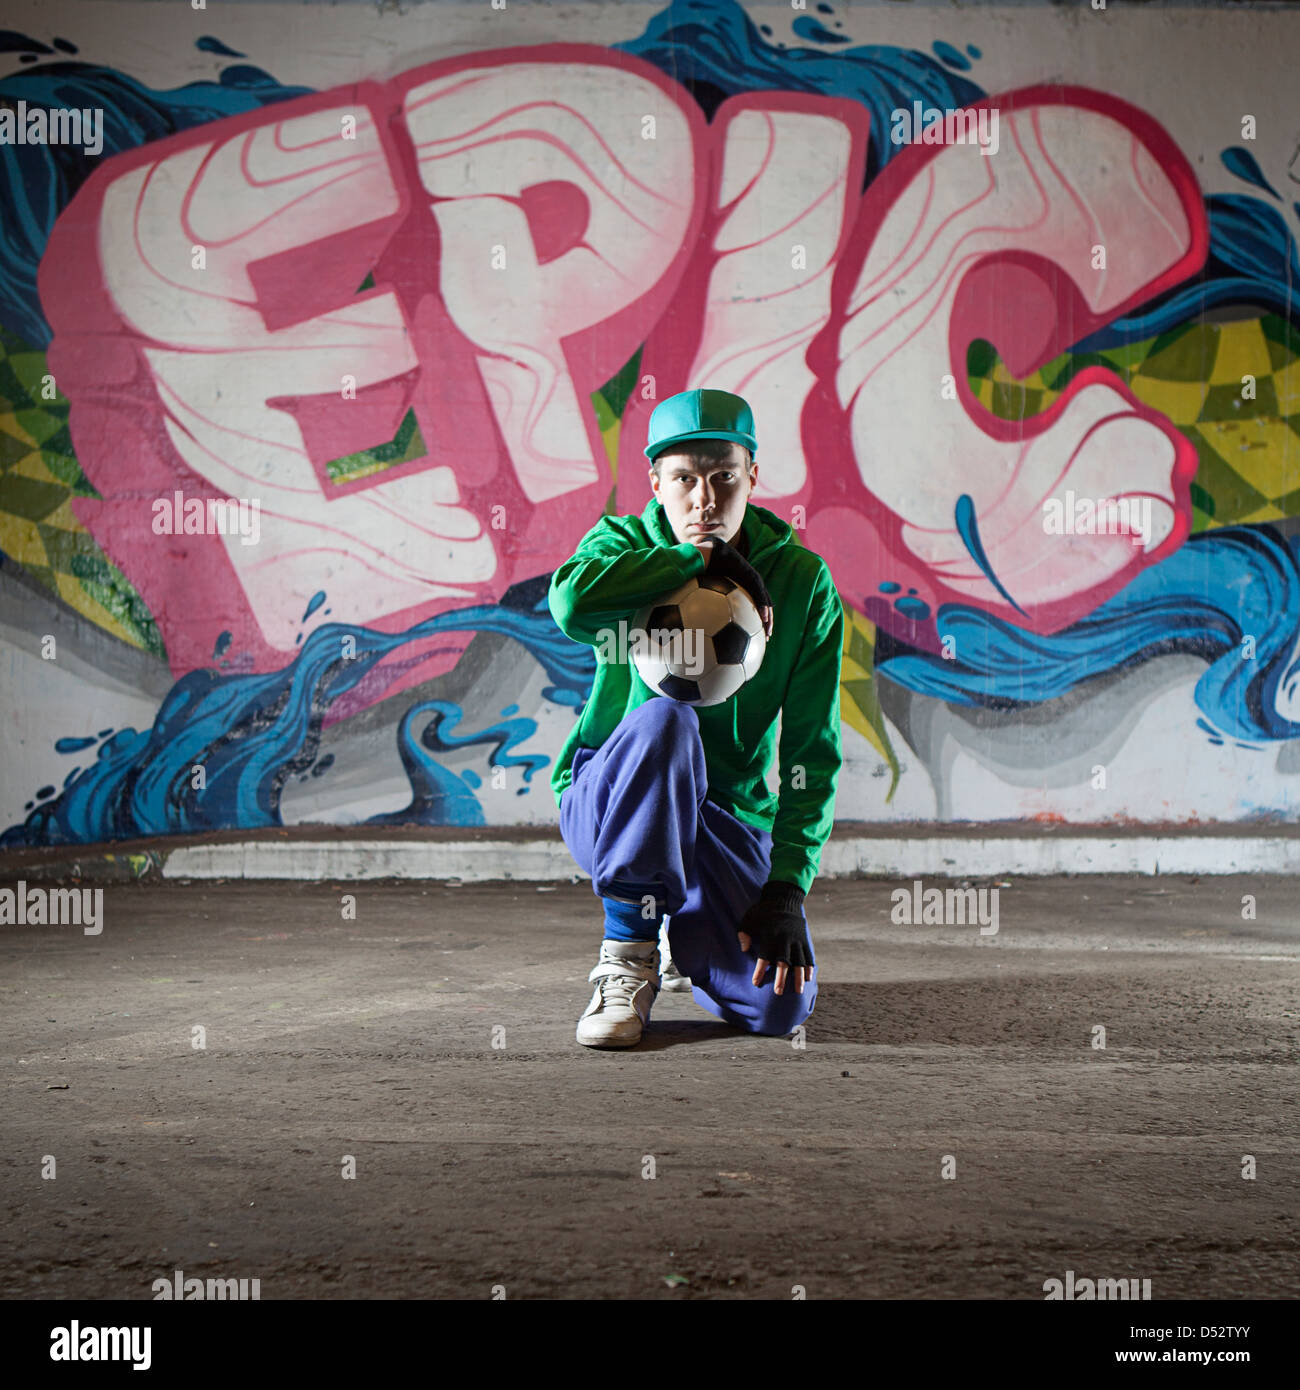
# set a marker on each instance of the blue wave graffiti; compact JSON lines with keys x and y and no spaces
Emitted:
{"x":715,"y":50}
{"x":1245,"y":166}
{"x":250,"y":733}
{"x":1167,"y":608}
{"x":439,"y":796}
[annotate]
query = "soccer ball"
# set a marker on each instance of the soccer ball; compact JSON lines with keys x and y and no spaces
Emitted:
{"x":700,"y":643}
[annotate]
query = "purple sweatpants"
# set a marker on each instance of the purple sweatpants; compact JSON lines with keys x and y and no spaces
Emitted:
{"x":635,"y":813}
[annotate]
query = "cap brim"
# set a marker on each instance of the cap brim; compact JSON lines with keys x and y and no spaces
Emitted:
{"x":661,"y":446}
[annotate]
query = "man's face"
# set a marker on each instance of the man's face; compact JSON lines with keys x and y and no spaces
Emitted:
{"x":714,"y":492}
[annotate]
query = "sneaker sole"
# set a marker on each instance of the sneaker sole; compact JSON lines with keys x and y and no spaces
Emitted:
{"x":611,"y":1043}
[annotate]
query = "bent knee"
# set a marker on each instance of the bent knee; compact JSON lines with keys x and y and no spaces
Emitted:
{"x":783,"y":1013}
{"x":661,"y":711}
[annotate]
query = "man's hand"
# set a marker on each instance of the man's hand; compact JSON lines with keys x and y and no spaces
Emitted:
{"x":725,"y":559}
{"x":776,"y":929}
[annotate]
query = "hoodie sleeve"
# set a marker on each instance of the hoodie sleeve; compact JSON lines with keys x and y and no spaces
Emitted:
{"x":607,"y":578}
{"x":810,"y":755}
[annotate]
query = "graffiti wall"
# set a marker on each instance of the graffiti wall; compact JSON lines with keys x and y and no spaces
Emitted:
{"x":327,"y":332}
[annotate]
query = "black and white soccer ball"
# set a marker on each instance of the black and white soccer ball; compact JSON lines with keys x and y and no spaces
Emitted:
{"x":700,"y":643}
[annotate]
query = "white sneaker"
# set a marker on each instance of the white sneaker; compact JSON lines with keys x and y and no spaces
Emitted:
{"x":674,"y":982}
{"x":627,"y":981}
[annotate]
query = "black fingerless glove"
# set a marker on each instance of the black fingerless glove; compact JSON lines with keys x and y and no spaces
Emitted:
{"x":777,"y":927}
{"x":727,"y":561}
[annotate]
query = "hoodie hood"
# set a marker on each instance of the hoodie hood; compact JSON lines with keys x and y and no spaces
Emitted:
{"x":763,"y":531}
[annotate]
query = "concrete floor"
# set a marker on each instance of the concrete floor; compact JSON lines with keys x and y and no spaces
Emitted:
{"x":522,"y":1165}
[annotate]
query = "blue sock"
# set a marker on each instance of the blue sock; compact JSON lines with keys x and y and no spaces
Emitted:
{"x":624,"y":920}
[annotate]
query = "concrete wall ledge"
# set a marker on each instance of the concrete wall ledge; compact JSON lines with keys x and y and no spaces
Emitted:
{"x":482,"y":854}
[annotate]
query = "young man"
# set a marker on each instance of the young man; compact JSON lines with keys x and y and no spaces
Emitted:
{"x":666,"y":805}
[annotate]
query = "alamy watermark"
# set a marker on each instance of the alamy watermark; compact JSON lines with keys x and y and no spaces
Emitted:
{"x":945,"y":907}
{"x":680,"y":647}
{"x":179,"y":515}
{"x":1106,"y":516}
{"x":22,"y":906}
{"x":1071,"y":1289}
{"x":76,"y":1343}
{"x":21,"y":124}
{"x":191,"y":1290}
{"x":934,"y":125}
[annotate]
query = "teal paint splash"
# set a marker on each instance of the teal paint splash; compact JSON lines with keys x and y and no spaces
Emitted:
{"x":968,"y":529}
{"x":1169,"y":607}
{"x":251,"y":732}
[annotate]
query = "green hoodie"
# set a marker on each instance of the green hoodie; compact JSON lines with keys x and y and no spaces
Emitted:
{"x":626,"y":562}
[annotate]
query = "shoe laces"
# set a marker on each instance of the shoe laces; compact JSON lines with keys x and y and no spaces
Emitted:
{"x":619,"y":989}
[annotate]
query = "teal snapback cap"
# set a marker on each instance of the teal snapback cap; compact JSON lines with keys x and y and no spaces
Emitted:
{"x":700,"y":415}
